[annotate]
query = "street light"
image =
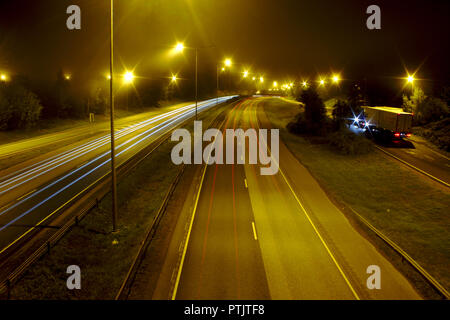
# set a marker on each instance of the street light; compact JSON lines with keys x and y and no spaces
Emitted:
{"x":3,"y":77}
{"x":304,"y":84}
{"x":174,"y":78}
{"x":128,"y":77}
{"x":322,"y":82}
{"x":67,"y":76}
{"x":179,"y":48}
{"x":245,"y":74}
{"x":111,"y":107}
{"x":336,"y":78}
{"x":261,"y":79}
{"x":228,"y":62}
{"x":410,"y":79}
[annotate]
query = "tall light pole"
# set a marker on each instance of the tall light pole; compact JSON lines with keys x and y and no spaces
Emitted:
{"x":196,"y":81}
{"x":179,"y":48}
{"x":111,"y":106}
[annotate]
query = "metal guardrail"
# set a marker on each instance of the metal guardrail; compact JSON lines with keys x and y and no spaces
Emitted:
{"x":414,"y":264}
{"x":413,"y":167}
{"x":94,"y":196}
{"x":125,"y":288}
{"x":429,"y":278}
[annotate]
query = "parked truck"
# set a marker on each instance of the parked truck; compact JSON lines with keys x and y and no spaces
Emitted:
{"x":387,"y":123}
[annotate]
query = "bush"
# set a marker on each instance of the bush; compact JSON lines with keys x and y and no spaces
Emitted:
{"x":346,"y":142}
{"x":313,"y":120}
{"x":302,"y":126}
{"x":431,"y":109}
{"x":19,"y":107}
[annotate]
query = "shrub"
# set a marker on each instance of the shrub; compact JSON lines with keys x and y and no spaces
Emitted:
{"x":19,"y":107}
{"x":431,"y":109}
{"x":346,"y":142}
{"x":437,"y":133}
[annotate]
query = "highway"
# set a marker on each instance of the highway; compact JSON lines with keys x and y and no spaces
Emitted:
{"x":33,"y":194}
{"x":417,"y":154}
{"x":274,"y":237}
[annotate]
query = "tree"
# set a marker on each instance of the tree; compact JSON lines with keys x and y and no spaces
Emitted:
{"x":314,"y":107}
{"x":19,"y":107}
{"x":431,"y":109}
{"x":312,"y":120}
{"x":410,"y":104}
{"x":355,"y":98}
{"x":341,"y":111}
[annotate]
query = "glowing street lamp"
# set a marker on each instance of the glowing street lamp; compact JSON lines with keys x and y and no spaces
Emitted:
{"x":322,"y":82}
{"x":245,"y":74}
{"x":228,"y":62}
{"x":410,"y":79}
{"x":174,"y":78}
{"x":179,"y":47}
{"x":3,"y":77}
{"x":275,"y":84}
{"x":336,"y":78}
{"x":128,"y":77}
{"x":254,"y":78}
{"x":261,"y":79}
{"x":67,"y":76}
{"x":304,"y":84}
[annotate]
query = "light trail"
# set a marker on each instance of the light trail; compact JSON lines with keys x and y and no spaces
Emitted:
{"x":80,"y":151}
{"x":179,"y":118}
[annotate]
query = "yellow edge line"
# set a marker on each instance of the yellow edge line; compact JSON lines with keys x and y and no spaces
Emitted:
{"x":26,"y":194}
{"x":254,"y":231}
{"x":60,"y":207}
{"x":183,"y":256}
{"x":314,"y":227}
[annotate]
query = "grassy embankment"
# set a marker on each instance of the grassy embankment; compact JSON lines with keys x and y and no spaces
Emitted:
{"x":104,"y":258}
{"x":406,"y":207}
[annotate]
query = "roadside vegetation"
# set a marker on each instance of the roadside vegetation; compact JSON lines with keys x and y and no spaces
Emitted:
{"x":431,"y":116}
{"x":314,"y":124}
{"x":103,"y":257}
{"x":410,"y":210}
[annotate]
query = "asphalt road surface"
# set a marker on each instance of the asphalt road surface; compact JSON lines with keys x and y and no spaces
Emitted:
{"x":275,"y":236}
{"x":417,"y":153}
{"x":32,"y":194}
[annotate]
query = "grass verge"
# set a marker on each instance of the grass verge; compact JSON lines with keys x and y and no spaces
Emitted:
{"x":103,"y":257}
{"x":407,"y":208}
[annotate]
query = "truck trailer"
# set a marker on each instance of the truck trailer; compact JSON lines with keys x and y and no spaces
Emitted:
{"x":387,"y":123}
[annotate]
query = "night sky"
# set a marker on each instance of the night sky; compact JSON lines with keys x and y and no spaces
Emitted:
{"x":282,"y":39}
